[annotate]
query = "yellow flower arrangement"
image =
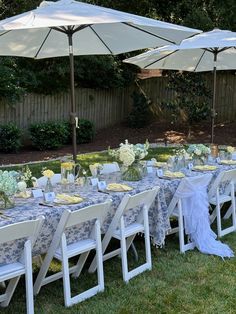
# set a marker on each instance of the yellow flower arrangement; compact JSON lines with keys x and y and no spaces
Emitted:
{"x":48,"y":173}
{"x":67,"y":165}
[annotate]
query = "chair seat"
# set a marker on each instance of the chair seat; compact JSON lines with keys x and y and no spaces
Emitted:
{"x":10,"y":270}
{"x":76,"y":248}
{"x":222,"y":199}
{"x":129,"y":230}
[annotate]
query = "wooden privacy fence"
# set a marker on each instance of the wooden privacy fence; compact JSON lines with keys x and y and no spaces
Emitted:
{"x":103,"y":107}
{"x":107,"y":107}
{"x":156,"y":90}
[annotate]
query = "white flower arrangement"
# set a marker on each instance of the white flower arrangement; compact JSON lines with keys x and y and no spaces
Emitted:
{"x":8,"y":182}
{"x":182,"y":153}
{"x":127,"y":153}
{"x":8,"y":187}
{"x":230,"y":149}
{"x":198,"y":150}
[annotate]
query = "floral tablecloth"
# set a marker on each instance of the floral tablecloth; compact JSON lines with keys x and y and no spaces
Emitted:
{"x":30,"y":209}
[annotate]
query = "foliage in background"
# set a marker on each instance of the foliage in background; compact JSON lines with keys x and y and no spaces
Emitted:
{"x":140,"y":113}
{"x":10,"y":89}
{"x":188,"y":88}
{"x":86,"y":131}
{"x":49,"y":135}
{"x":10,"y":138}
{"x":52,"y":75}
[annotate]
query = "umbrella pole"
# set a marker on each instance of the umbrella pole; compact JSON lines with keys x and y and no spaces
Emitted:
{"x":213,"y":113}
{"x":72,"y":87}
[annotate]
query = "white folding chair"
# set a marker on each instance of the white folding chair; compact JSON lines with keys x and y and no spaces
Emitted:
{"x":126,"y":234}
{"x":27,"y":230}
{"x":56,"y":178}
{"x":105,"y":168}
{"x":62,"y":251}
{"x":110,"y":168}
{"x":221,"y":192}
{"x":175,"y":207}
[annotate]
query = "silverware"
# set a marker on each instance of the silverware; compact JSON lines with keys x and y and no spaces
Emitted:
{"x":44,"y":204}
{"x":100,"y":191}
{"x":4,"y":216}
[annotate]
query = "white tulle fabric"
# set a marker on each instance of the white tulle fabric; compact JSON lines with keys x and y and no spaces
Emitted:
{"x":195,"y":206}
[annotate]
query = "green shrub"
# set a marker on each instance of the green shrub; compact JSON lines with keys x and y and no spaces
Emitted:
{"x":49,"y":135}
{"x":86,"y":131}
{"x":10,"y":138}
{"x":140,"y":114}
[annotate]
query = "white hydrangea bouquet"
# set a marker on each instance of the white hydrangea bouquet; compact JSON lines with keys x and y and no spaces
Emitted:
{"x":199,"y":152}
{"x":130,"y":155}
{"x":8,"y":187}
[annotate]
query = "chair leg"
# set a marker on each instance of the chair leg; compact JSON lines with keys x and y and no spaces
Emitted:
{"x":10,"y":290}
{"x":147,"y":239}
{"x":2,"y":285}
{"x":99,"y":257}
{"x":218,"y":216}
{"x":29,"y":278}
{"x":80,"y":264}
{"x":134,"y":251}
{"x":123,"y":252}
{"x":181,"y":228}
{"x":66,"y":273}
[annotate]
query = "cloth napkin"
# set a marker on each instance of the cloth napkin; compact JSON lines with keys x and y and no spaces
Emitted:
{"x":26,"y":194}
{"x":205,"y":167}
{"x":228,"y":162}
{"x":118,"y":187}
{"x":68,"y":199}
{"x":171,"y":174}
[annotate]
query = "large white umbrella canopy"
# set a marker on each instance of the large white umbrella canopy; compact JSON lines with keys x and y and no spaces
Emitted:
{"x":208,"y":51}
{"x":69,"y":27}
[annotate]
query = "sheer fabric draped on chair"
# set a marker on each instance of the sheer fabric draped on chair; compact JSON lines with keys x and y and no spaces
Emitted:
{"x":190,"y":204}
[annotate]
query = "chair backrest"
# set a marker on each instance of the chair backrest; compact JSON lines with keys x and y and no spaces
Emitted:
{"x":56,"y":178}
{"x":26,"y":229}
{"x":186,"y":185}
{"x":110,"y":168}
{"x":72,"y":218}
{"x":223,"y":178}
{"x":144,"y":198}
{"x":98,"y":211}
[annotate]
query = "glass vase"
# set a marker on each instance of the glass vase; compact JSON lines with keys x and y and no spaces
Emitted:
{"x":198,"y":161}
{"x":67,"y":175}
{"x":48,"y":187}
{"x":6,"y":201}
{"x":133,"y":172}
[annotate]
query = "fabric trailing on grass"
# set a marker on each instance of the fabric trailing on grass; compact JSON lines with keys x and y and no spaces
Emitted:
{"x":195,"y":208}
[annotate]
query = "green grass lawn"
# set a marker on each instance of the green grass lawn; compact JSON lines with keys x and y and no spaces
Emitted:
{"x":178,"y":283}
{"x":160,"y":153}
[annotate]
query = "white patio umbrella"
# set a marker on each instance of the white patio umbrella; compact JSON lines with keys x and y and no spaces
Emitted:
{"x":69,"y":27}
{"x":208,"y":51}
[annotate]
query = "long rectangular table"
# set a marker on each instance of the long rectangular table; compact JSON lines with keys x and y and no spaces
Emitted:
{"x":30,"y":209}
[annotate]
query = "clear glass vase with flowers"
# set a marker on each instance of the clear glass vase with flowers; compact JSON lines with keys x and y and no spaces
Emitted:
{"x":67,"y":174}
{"x":199,"y":153}
{"x":130,"y":155}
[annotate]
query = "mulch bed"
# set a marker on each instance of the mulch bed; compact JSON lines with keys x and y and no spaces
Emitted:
{"x":156,"y":133}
